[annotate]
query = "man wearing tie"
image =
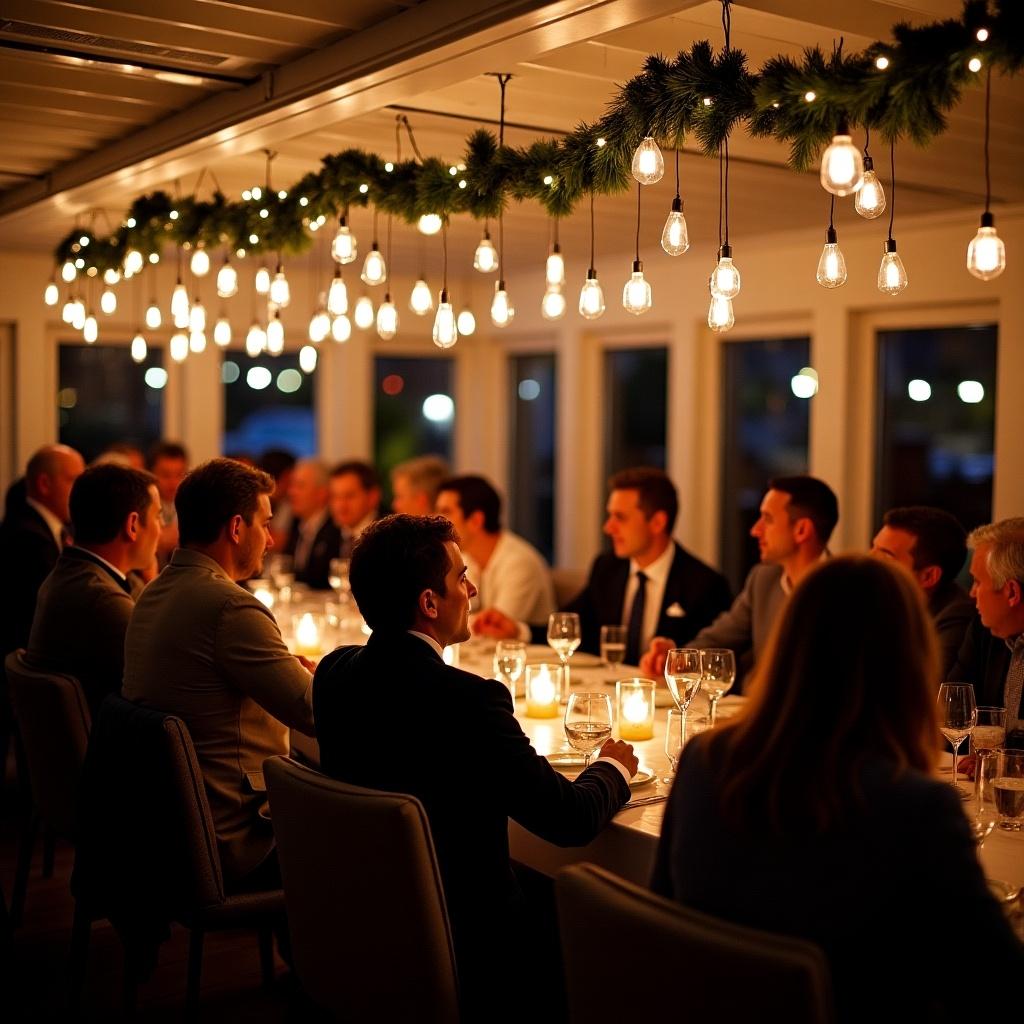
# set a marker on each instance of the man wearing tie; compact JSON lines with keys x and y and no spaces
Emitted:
{"x":314,"y":539}
{"x":353,"y":496}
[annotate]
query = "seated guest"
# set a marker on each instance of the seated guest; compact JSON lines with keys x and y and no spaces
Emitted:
{"x":798,"y":515}
{"x":85,"y":603}
{"x":168,"y":462}
{"x":279,"y":464}
{"x":314,"y":539}
{"x":32,"y":535}
{"x":513,"y":576}
{"x":201,"y":647}
{"x":409,"y":580}
{"x":353,"y":496}
{"x":649,"y":584}
{"x":815,"y":812}
{"x":123,"y":454}
{"x":414,"y":484}
{"x":932,"y":544}
{"x":992,"y":655}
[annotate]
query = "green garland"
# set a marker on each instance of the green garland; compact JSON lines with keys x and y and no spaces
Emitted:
{"x":701,"y":95}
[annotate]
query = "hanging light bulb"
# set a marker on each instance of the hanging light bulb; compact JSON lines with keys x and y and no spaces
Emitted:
{"x":111,"y":276}
{"x":222,"y":332}
{"x":832,"y":265}
{"x":986,"y":254}
{"x":842,"y":169}
{"x":307,"y":358}
{"x":421,"y":301}
{"x":636,"y":294}
{"x":200,"y":262}
{"x":725,"y":278}
{"x":133,"y":263}
{"x":364,"y":315}
{"x":319,"y":326}
{"x":78,"y":315}
{"x":227,"y":280}
{"x":591,"y":297}
{"x":552,"y":306}
{"x":139,"y":349}
{"x":179,"y":305}
{"x":108,"y":301}
{"x":153,"y":317}
{"x":275,"y":335}
{"x":675,"y":239}
{"x":341,"y":328}
{"x":870,"y":200}
{"x":337,"y":295}
{"x":446,"y":331}
{"x":485,"y":259}
{"x":179,"y":347}
{"x":255,"y":340}
{"x":554,"y":270}
{"x":67,"y":313}
{"x":720,"y":315}
{"x":502,"y":311}
{"x":90,"y":329}
{"x":197,"y":316}
{"x":344,"y":247}
{"x":197,"y":341}
{"x":280,"y":292}
{"x":375,"y":270}
{"x":648,"y":163}
{"x":892,"y":276}
{"x":387,"y":319}
{"x":262,"y":281}
{"x":429,"y":224}
{"x":51,"y":294}
{"x":68,"y":271}
{"x":466,"y":323}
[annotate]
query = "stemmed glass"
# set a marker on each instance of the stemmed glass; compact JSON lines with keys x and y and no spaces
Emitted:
{"x":718,"y":673}
{"x":983,"y":816}
{"x":588,"y":722}
{"x":509,"y":662}
{"x":958,"y":714}
{"x":675,"y":734}
{"x":683,"y":675}
{"x":564,"y":637}
{"x":337,"y":577}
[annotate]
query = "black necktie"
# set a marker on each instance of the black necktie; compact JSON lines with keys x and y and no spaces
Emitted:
{"x":635,"y":627}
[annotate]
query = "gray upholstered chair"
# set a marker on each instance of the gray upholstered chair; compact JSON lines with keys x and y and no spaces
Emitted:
{"x":630,"y":954}
{"x":366,"y":911}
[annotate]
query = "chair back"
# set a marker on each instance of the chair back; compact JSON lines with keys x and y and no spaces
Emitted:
{"x":629,"y":952}
{"x":53,"y":719}
{"x":366,"y":910}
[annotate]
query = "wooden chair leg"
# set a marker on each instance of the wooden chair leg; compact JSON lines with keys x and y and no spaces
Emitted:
{"x":78,"y":961}
{"x":266,"y":940}
{"x":49,"y":849}
{"x":195,"y":970}
{"x":21,"y":871}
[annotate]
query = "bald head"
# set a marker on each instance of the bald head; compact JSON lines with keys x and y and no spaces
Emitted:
{"x":49,"y":475}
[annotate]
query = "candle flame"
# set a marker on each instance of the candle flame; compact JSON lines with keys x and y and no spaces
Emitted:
{"x":634,"y":708}
{"x":542,"y":688}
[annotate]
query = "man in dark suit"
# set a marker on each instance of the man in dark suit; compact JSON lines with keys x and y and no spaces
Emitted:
{"x":409,"y":580}
{"x":85,"y":603}
{"x":648,"y":583}
{"x":353,"y":496}
{"x":314,"y":539}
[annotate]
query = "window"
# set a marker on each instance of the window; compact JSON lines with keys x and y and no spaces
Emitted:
{"x":531,"y":502}
{"x":636,"y":392}
{"x":106,"y":397}
{"x":414,"y":412}
{"x":268,"y":403}
{"x":765,"y":433}
{"x":936,"y":420}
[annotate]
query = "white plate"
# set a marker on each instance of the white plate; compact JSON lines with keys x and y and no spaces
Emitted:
{"x":570,"y":764}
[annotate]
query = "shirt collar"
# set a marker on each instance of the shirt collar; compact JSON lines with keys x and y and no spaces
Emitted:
{"x":357,"y":531}
{"x":787,"y":584}
{"x":1015,"y":642}
{"x":311,"y":527}
{"x":658,"y":570}
{"x":428,"y":640}
{"x":102,"y":561}
{"x":55,"y":525}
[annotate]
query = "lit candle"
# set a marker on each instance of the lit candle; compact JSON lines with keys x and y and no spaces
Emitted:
{"x":307,"y":636}
{"x":636,"y":709}
{"x":265,"y":595}
{"x":543,"y":691}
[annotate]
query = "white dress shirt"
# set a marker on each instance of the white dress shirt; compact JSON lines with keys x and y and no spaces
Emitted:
{"x":657,"y":576}
{"x":517,"y":581}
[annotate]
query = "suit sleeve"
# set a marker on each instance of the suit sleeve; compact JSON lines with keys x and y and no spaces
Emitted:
{"x":733,"y":628}
{"x":952,"y":629}
{"x":966,"y":667}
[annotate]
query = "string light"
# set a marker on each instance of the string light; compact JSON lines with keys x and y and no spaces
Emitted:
{"x":52,"y":293}
{"x":197,"y":316}
{"x":108,"y":301}
{"x":153,"y":317}
{"x":341,"y":329}
{"x":319,"y":326}
{"x":227,"y":280}
{"x":255,"y":340}
{"x":648,"y":165}
{"x":375,"y":270}
{"x":90,"y":329}
{"x":179,"y":347}
{"x":591,"y":295}
{"x":200,"y":262}
{"x":275,"y":335}
{"x":986,"y":253}
{"x":636,"y":293}
{"x":421,"y":301}
{"x":344,"y":247}
{"x":892,"y":275}
{"x":197,"y":341}
{"x":337,"y":295}
{"x":842,"y":168}
{"x":67,"y":313}
{"x":364,"y":315}
{"x":179,"y":306}
{"x":387,"y":319}
{"x":553,"y":305}
{"x":280,"y":291}
{"x":307,"y":358}
{"x":262,"y":281}
{"x":466,"y":323}
{"x":870,"y":199}
{"x":832,"y":265}
{"x":139,"y":349}
{"x":78,"y":314}
{"x":485,"y":259}
{"x":446,"y":330}
{"x":675,"y":239}
{"x":111,"y":276}
{"x":222,"y":332}
{"x":68,"y":272}
{"x":133,"y":263}
{"x":720,"y":314}
{"x":502,"y":310}
{"x":554,"y":268}
{"x":429,"y":224}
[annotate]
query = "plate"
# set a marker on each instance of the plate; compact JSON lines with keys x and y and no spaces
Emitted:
{"x":583,"y":660}
{"x":570,"y":764}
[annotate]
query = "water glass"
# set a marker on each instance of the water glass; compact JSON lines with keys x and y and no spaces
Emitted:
{"x":564,"y":637}
{"x":588,"y":722}
{"x":613,"y":645}
{"x":990,"y":731}
{"x":509,"y":663}
{"x":718,"y":673}
{"x":1008,"y":790}
{"x":982,"y":813}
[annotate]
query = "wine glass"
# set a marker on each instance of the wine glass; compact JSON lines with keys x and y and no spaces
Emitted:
{"x":588,"y":722}
{"x":613,"y":645}
{"x":675,"y":734}
{"x":958,"y":714}
{"x":982,"y":815}
{"x":509,"y":662}
{"x":718,"y":673}
{"x":337,"y":577}
{"x":564,"y":637}
{"x":683,"y":675}
{"x":282,"y":572}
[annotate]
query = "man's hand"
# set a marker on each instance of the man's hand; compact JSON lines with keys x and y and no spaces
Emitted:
{"x":491,"y":622}
{"x":309,"y":666}
{"x":966,"y":766}
{"x":653,"y":661}
{"x":621,"y":752}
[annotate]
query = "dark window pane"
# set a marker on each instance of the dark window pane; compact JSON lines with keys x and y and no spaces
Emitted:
{"x":765,"y":429}
{"x":531,"y":511}
{"x":936,"y":420}
{"x":268,"y":403}
{"x":636,"y":386}
{"x":414,"y":412}
{"x":104,"y":397}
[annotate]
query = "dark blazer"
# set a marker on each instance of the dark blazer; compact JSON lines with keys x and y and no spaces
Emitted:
{"x":392,"y":716}
{"x":326,"y":546}
{"x":27,"y":552}
{"x":695,"y":588}
{"x":879,"y":895}
{"x":952,"y":611}
{"x":984,"y":660}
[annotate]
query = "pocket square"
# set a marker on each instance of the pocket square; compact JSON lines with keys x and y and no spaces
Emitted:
{"x":675,"y":611}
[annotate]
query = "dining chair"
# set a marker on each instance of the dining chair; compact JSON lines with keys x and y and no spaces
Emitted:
{"x":366,"y":911}
{"x":147,"y":852}
{"x":631,"y":954}
{"x":53,"y":722}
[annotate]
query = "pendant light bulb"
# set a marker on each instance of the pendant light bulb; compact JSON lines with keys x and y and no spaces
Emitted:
{"x":986,"y":254}
{"x":648,"y":163}
{"x":429,"y":224}
{"x":364,"y":315}
{"x":892,"y":276}
{"x":280,"y":291}
{"x":552,"y":306}
{"x":111,"y":276}
{"x":502,"y":311}
{"x":485,"y":259}
{"x":307,"y":358}
{"x":90,"y":330}
{"x":341,"y":328}
{"x":466,"y":323}
{"x":591,"y":297}
{"x":319,"y":326}
{"x":375,"y":270}
{"x":636,"y":294}
{"x":554,"y":270}
{"x":133,"y":263}
{"x":275,"y":335}
{"x":197,"y":341}
{"x":831,"y":266}
{"x":337,"y":295}
{"x":153,"y":317}
{"x":344,"y":247}
{"x":725,"y":278}
{"x":67,"y":313}
{"x":78,"y":315}
{"x":179,"y":304}
{"x":68,"y":271}
{"x":227,"y":280}
{"x":387,"y":319}
{"x":139,"y":349}
{"x":421,"y":301}
{"x":842,"y":167}
{"x":255,"y":340}
{"x":675,"y":239}
{"x":179,"y":347}
{"x":222,"y":332}
{"x":446,"y":331}
{"x":197,"y":316}
{"x":720,"y":314}
{"x":51,"y":294}
{"x":200,"y":262}
{"x":262,"y":281}
{"x":870,"y":199}
{"x":108,"y":301}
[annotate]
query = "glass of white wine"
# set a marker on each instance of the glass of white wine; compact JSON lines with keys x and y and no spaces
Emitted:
{"x":613,"y":645}
{"x":990,"y":731}
{"x":588,"y":722}
{"x":982,"y":814}
{"x":675,"y":734}
{"x":958,"y":714}
{"x":683,"y":675}
{"x":509,"y":662}
{"x":563,"y":638}
{"x":1008,"y":789}
{"x":718,"y":673}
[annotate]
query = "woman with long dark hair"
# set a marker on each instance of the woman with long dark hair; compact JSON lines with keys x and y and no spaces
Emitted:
{"x":816,"y":812}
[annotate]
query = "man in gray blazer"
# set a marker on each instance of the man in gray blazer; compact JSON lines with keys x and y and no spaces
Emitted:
{"x":202,"y":647}
{"x":85,"y":603}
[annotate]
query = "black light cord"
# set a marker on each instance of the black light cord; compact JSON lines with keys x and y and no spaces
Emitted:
{"x":832,"y":213}
{"x":677,"y":169}
{"x":988,"y":103}
{"x":592,"y":229}
{"x":867,"y":138}
{"x":892,"y":185}
{"x":638,"y":188}
{"x":721,"y":179}
{"x":727,"y":190}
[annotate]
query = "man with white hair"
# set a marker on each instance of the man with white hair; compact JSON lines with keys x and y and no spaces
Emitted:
{"x":314,"y":539}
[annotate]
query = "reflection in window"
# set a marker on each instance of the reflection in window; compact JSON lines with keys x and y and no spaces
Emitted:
{"x":636,"y":390}
{"x":766,"y":391}
{"x":414,"y":412}
{"x":106,"y":397}
{"x":936,"y":420}
{"x":531,"y":499}
{"x":268,"y":403}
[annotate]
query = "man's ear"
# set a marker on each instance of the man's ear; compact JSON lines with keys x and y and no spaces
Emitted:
{"x":428,"y":604}
{"x":803,"y":528}
{"x":929,"y":576}
{"x":234,"y":529}
{"x":659,"y":521}
{"x":1014,"y":593}
{"x":131,"y":526}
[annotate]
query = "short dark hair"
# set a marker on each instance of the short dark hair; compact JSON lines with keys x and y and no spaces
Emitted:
{"x":276,"y":461}
{"x":363,"y":471}
{"x":476,"y":495}
{"x":213,"y":493}
{"x":165,"y":450}
{"x":939,"y":539}
{"x":394,"y":561}
{"x":103,"y":497}
{"x":655,"y":492}
{"x":810,"y":498}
